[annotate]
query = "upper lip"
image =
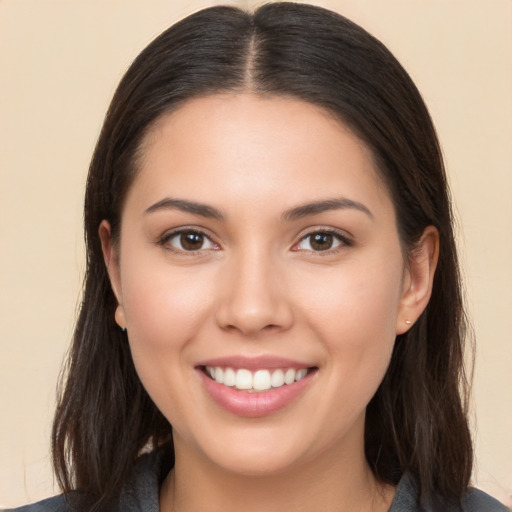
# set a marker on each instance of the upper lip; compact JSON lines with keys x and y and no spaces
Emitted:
{"x":254,"y":363}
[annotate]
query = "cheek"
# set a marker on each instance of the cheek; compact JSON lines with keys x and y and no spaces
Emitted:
{"x":356,"y":305}
{"x":164,"y":307}
{"x":354,"y":314}
{"x":162,"y":300}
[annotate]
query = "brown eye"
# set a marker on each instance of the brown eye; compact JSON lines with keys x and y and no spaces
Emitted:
{"x":189,"y":241}
{"x":320,"y":241}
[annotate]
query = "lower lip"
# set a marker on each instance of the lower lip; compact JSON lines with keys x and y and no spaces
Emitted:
{"x":255,"y":404}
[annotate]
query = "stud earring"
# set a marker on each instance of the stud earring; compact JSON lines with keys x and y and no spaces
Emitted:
{"x":408,"y":322}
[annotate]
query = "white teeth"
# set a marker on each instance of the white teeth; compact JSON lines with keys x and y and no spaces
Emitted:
{"x":260,"y":380}
{"x":243,"y":379}
{"x":289,"y":376}
{"x":300,"y":374}
{"x":229,"y":377}
{"x":277,"y":379}
{"x":219,"y":375}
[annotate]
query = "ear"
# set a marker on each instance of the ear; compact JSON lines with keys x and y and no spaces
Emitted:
{"x":111,"y":257}
{"x":418,"y":279}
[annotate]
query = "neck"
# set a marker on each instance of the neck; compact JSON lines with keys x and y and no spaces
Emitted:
{"x":331,"y":483}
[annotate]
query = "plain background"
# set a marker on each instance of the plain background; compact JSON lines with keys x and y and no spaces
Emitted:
{"x":60,"y":61}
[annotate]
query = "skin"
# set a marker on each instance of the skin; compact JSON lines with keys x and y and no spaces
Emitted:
{"x":257,"y":286}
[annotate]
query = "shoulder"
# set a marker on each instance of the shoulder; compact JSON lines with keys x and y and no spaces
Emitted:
{"x":55,"y":504}
{"x":478,"y":501}
{"x":406,"y":500}
{"x":140,"y":493}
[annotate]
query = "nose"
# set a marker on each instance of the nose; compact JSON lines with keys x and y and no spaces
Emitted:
{"x":254,"y":300}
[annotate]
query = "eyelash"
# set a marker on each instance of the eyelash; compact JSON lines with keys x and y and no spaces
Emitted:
{"x":167,"y":237}
{"x":343,"y":240}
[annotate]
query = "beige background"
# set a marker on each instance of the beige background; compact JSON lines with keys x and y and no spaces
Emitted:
{"x":59,"y":64}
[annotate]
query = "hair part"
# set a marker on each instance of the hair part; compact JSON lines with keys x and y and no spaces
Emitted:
{"x":417,"y":420}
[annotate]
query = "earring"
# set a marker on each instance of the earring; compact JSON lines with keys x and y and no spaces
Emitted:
{"x":408,"y":322}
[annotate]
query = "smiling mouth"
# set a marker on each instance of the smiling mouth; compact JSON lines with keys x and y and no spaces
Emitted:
{"x":258,"y":380}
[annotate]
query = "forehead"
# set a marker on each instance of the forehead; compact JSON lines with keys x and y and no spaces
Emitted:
{"x":227,"y":147}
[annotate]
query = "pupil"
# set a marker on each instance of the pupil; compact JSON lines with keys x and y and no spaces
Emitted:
{"x":321,"y":241}
{"x":191,"y":241}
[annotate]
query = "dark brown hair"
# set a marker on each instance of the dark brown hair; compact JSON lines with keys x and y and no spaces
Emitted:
{"x":416,"y":422}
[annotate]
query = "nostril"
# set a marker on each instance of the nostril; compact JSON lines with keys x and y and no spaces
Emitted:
{"x":250,"y":313}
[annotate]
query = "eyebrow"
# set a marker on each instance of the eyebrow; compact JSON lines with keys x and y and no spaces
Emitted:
{"x":323,"y":206}
{"x":296,"y":213}
{"x":169,"y":203}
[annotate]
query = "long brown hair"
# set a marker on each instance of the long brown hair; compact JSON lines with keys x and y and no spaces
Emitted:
{"x":416,"y":422}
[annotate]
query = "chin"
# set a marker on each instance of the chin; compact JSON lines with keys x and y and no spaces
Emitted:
{"x":256,"y":465}
{"x":253,"y":454}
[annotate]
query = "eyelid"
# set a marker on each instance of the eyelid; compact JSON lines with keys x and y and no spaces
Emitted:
{"x":341,"y":235}
{"x":171,"y":233}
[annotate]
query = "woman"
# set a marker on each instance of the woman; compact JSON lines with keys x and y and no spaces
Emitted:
{"x":271,"y":271}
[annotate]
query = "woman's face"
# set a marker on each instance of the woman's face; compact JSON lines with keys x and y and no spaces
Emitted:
{"x":259,"y":245}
